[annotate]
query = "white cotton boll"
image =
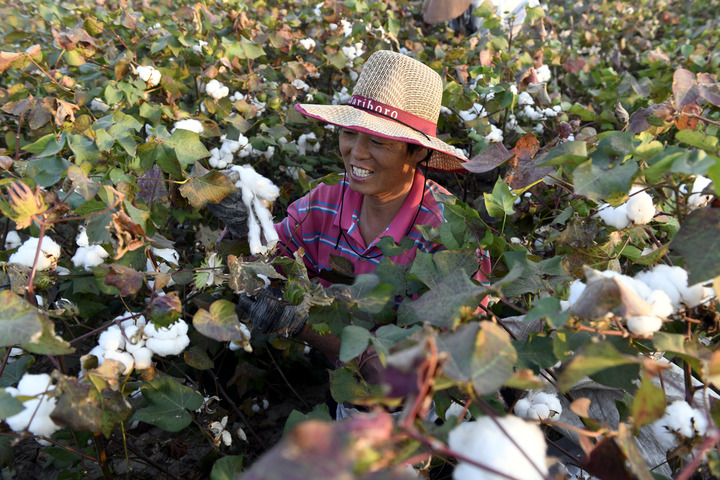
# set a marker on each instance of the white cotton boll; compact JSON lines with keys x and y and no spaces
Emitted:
{"x":543,"y":74}
{"x":112,"y":339}
{"x":129,"y":319}
{"x":256,"y":246}
{"x":88,"y":257}
{"x":484,"y":442}
{"x":179,"y":328}
{"x":12,"y":240}
{"x":550,"y":112}
{"x":131,"y":335}
{"x":81,"y":239}
{"x":693,"y":295}
{"x":495,"y":135}
{"x":614,"y":216}
{"x":189,"y":124}
{"x":99,"y":353}
{"x":170,"y":255}
{"x":309,"y":43}
{"x":696,"y":199}
{"x":25,"y":255}
{"x":577,"y":287}
{"x":679,"y":417}
{"x":230,"y":146}
{"x":124,"y":357}
{"x":300,"y":85}
{"x":660,"y":303}
{"x":659,"y":282}
{"x":538,"y":406}
{"x":455,"y":410}
{"x":678,"y":276}
{"x":644,"y":324}
{"x":144,"y":73}
{"x":525,"y":99}
{"x":36,"y":416}
{"x":165,"y":347}
{"x":142,"y":358}
{"x":539,"y":128}
{"x":265,"y":218}
{"x":640,"y":208}
{"x":99,"y":105}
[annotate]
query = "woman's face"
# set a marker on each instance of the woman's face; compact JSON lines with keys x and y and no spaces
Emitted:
{"x":377,"y":166}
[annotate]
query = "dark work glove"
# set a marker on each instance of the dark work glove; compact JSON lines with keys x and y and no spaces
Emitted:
{"x":269,"y":312}
{"x":233,"y":212}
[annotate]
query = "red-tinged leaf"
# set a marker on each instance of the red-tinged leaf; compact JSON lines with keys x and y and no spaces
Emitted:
{"x":575,"y":65}
{"x":685,"y":88}
{"x":709,"y":88}
{"x":487,"y":160}
{"x":81,"y":183}
{"x":220,"y":322}
{"x":125,"y":279}
{"x":20,"y":107}
{"x":209,"y":188}
{"x":165,"y":309}
{"x":687,"y":120}
{"x":606,"y":460}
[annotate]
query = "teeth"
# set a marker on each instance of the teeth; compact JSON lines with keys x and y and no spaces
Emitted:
{"x":361,"y":172}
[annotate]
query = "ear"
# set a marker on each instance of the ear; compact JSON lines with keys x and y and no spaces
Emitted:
{"x":419,"y":155}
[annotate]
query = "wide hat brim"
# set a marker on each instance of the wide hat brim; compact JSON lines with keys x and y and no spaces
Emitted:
{"x":445,"y":157}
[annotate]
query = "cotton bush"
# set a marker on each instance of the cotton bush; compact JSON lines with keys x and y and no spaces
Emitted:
{"x":679,"y":421}
{"x":35,"y":416}
{"x":48,"y":256}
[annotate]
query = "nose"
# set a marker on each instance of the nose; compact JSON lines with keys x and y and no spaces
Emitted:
{"x":359,"y":147}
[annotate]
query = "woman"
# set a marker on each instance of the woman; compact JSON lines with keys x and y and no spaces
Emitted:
{"x":387,"y":129}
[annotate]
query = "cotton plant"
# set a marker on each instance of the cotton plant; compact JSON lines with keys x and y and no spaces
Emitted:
{"x":258,"y":192}
{"x":199,"y":47}
{"x":166,"y":259}
{"x":88,"y":255}
{"x":476,"y":111}
{"x":38,"y":403}
{"x":245,"y":342}
{"x":224,"y":156}
{"x":538,"y":405}
{"x":485,"y":442}
{"x":458,"y":412}
{"x":495,"y":135}
{"x":637,"y":210}
{"x":308,"y":143}
{"x":149,"y":74}
{"x":220,"y":434}
{"x":680,"y":422}
{"x":216,"y":89}
{"x":48,"y":257}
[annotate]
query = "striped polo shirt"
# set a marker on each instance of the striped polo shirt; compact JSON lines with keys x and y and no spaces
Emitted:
{"x":314,"y":222}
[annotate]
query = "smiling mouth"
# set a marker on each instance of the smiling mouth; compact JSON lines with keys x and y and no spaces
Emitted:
{"x":361,"y":172}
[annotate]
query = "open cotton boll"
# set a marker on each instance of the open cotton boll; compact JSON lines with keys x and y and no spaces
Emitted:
{"x":133,"y":340}
{"x":307,"y":43}
{"x":170,"y":255}
{"x":12,"y":240}
{"x":484,"y":442}
{"x":538,"y":406}
{"x":36,"y":416}
{"x":614,"y":216}
{"x":180,"y":327}
{"x":112,"y":339}
{"x":130,"y":319}
{"x":165,"y":347}
{"x":189,"y":124}
{"x":644,"y":324}
{"x":679,"y":418}
{"x":660,"y":282}
{"x":25,"y":255}
{"x":696,"y":198}
{"x":142,"y":358}
{"x":693,"y":295}
{"x":124,"y":357}
{"x":495,"y":135}
{"x":640,"y":208}
{"x":660,"y":303}
{"x":455,"y":410}
{"x":88,"y":257}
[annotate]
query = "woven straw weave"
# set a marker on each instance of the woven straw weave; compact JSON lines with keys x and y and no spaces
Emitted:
{"x":402,"y":82}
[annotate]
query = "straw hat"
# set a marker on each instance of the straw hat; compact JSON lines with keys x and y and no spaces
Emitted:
{"x":395,"y":97}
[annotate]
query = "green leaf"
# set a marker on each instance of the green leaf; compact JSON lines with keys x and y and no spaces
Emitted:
{"x":187,"y":146}
{"x":698,"y":139}
{"x":500,"y":202}
{"x":567,"y":153}
{"x":14,"y":371}
{"x":220,"y":322}
{"x":529,"y":276}
{"x":46,"y":146}
{"x":550,"y":309}
{"x":84,"y":149}
{"x":535,"y":353}
{"x":229,"y":467}
{"x":319,"y":412}
{"x":594,"y":357}
{"x":46,"y":171}
{"x":209,"y":188}
{"x":19,"y":321}
{"x":244,"y":49}
{"x":169,"y":404}
{"x":433,"y":268}
{"x":355,"y":340}
{"x":698,"y":243}
{"x":442,"y":305}
{"x":648,"y":404}
{"x":9,"y":405}
{"x":599,"y":183}
{"x":479,"y":353}
{"x":81,"y":183}
{"x":344,"y":387}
